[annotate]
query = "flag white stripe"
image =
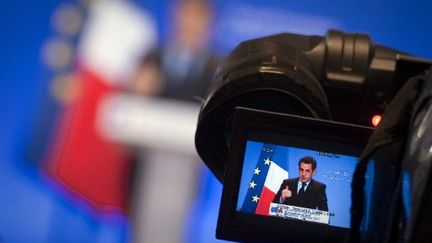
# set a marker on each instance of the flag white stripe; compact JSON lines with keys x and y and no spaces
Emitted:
{"x":275,"y":176}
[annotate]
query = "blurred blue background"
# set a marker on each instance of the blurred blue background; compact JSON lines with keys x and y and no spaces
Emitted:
{"x":35,"y":208}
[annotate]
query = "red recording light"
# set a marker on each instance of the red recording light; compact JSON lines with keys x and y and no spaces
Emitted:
{"x":376,"y":119}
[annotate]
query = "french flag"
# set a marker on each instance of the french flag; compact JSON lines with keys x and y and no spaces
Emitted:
{"x":116,"y":35}
{"x":270,"y":170}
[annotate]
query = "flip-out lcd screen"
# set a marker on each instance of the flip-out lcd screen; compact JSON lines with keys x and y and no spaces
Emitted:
{"x":288,"y":178}
{"x":273,"y":168}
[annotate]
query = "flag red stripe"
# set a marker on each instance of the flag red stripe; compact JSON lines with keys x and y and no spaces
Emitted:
{"x":82,"y":160}
{"x":264,"y":201}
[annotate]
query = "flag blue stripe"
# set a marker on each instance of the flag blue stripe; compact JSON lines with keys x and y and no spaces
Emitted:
{"x":259,"y":173}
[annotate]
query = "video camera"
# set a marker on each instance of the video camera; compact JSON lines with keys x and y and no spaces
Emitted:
{"x":278,"y":99}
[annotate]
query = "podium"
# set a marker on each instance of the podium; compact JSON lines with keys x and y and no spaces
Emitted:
{"x":304,"y":214}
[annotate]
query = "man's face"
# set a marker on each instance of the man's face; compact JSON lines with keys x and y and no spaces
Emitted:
{"x":305,"y":172}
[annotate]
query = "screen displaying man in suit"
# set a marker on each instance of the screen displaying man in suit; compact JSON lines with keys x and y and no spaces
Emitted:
{"x":303,"y":191}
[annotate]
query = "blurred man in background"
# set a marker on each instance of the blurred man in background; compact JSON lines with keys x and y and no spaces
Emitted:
{"x":185,"y":62}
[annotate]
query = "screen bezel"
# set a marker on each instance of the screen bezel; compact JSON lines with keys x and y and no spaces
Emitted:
{"x":234,"y":225}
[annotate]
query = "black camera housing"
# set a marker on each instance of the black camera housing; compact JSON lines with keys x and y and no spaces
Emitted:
{"x":340,"y":77}
{"x":334,"y":84}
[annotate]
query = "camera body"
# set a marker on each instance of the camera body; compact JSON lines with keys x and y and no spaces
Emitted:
{"x":333,"y":83}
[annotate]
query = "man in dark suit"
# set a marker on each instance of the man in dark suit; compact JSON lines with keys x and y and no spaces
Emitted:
{"x":186,"y":62}
{"x":303,"y":191}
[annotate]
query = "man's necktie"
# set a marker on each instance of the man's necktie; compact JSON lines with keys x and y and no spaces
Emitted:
{"x":301,"y":191}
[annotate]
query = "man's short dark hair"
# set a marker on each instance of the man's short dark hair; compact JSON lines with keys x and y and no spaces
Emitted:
{"x":308,"y":160}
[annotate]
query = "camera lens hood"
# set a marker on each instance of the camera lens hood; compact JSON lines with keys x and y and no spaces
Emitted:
{"x":264,"y":74}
